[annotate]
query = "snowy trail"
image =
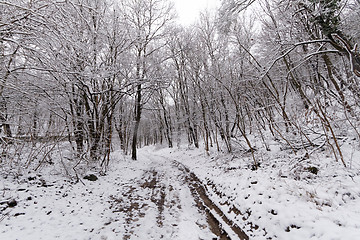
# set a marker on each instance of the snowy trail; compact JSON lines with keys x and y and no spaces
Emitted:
{"x":182,"y":194}
{"x":161,"y":206}
{"x":217,"y":222}
{"x":152,"y":198}
{"x":269,"y":204}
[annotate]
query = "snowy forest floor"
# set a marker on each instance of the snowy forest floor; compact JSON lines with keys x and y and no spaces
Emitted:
{"x":188,"y":194}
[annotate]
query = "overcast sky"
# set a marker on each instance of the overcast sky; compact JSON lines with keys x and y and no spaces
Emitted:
{"x":189,"y":10}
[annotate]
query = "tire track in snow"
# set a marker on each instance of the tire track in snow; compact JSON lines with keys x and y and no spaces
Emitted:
{"x":222,"y":226}
{"x":159,"y":205}
{"x":219,"y":224}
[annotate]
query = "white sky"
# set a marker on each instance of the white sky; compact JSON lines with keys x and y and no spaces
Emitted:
{"x":188,"y":10}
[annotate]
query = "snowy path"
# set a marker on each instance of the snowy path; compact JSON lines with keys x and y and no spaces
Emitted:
{"x":282,"y":199}
{"x":159,"y":205}
{"x":216,"y":221}
{"x":152,"y":198}
{"x":185,"y":194}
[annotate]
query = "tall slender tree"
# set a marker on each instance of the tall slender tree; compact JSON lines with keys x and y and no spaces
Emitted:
{"x":147,"y":22}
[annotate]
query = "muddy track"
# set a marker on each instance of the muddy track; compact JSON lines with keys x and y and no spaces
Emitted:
{"x":161,"y":192}
{"x":220,"y":225}
{"x":157,"y":194}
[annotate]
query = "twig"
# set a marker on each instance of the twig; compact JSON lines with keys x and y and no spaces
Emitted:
{"x":4,"y":215}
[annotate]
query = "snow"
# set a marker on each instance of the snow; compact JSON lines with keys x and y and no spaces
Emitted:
{"x":280,"y":200}
{"x":77,"y":211}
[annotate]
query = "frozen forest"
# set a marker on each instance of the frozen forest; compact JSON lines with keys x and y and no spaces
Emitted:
{"x":118,"y":122}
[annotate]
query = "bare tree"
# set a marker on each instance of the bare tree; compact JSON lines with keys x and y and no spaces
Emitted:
{"x":147,"y":21}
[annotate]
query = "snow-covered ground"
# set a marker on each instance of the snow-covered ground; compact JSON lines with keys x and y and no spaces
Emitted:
{"x":150,"y":199}
{"x":144,"y":199}
{"x":283,"y":199}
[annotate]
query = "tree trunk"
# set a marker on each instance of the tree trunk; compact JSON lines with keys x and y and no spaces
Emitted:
{"x":137,"y":122}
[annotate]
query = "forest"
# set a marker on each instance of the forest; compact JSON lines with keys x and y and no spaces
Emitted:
{"x":80,"y":79}
{"x":91,"y":71}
